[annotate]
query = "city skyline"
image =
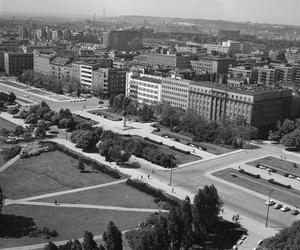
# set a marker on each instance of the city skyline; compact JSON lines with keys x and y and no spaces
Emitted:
{"x":284,"y":13}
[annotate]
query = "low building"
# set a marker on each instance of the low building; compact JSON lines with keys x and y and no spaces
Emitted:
{"x":109,"y":82}
{"x":16,"y":63}
{"x":143,"y":88}
{"x":212,"y":65}
{"x":61,"y":67}
{"x":86,"y":70}
{"x":41,"y":62}
{"x":260,"y":107}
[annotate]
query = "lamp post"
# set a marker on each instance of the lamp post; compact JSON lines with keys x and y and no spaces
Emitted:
{"x":268,"y":207}
{"x":171,"y":173}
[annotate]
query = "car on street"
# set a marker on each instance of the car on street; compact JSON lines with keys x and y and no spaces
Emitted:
{"x":270,"y":203}
{"x":291,"y":176}
{"x":278,"y":206}
{"x":285,"y":209}
{"x":298,"y":178}
{"x":295,"y":212}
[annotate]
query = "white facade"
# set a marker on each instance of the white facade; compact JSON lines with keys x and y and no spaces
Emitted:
{"x":86,"y":75}
{"x":143,"y":88}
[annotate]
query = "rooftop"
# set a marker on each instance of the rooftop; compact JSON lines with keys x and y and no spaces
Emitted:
{"x":60,"y":61}
{"x":147,"y":79}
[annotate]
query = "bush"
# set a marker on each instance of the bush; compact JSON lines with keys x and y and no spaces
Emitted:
{"x":35,"y":150}
{"x":154,"y":192}
{"x":279,"y":184}
{"x":53,"y":233}
{"x":11,"y":152}
{"x":153,"y":141}
{"x":242,"y":171}
{"x":13,"y":110}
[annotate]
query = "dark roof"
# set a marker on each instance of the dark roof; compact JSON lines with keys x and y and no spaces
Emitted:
{"x":60,"y":61}
{"x":148,"y":79}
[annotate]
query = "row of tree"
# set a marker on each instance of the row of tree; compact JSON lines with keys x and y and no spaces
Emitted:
{"x":184,"y":225}
{"x":50,"y":83}
{"x":112,"y":238}
{"x":287,"y":132}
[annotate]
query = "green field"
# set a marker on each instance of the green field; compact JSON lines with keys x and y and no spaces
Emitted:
{"x":6,"y":124}
{"x":48,"y":172}
{"x":69,"y":222}
{"x":116,"y":195}
{"x":289,"y":196}
{"x":282,"y":166}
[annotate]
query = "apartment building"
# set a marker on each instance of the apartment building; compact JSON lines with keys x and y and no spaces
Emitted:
{"x":16,"y":63}
{"x":175,"y":91}
{"x":266,"y":75}
{"x":284,"y":72}
{"x":143,"y":88}
{"x":109,"y":81}
{"x":61,"y":67}
{"x":86,"y":70}
{"x":260,"y":108}
{"x":41,"y":62}
{"x":224,"y":48}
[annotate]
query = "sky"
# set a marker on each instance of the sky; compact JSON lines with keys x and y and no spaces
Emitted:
{"x":261,"y":11}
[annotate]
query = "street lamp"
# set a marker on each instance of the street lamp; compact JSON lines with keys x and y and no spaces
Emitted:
{"x":171,"y":173}
{"x":268,"y":207}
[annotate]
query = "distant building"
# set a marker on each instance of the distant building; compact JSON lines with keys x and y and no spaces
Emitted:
{"x":229,"y":47}
{"x":179,"y":60}
{"x":191,"y":48}
{"x":284,"y":72}
{"x":296,"y":73}
{"x":41,"y":34}
{"x":265,"y":75}
{"x":143,"y":88}
{"x":24,"y":33}
{"x":16,"y":63}
{"x":229,"y":34}
{"x":123,"y":40}
{"x":86,"y":70}
{"x":212,"y":64}
{"x":260,"y":108}
{"x":175,"y":91}
{"x":109,"y":81}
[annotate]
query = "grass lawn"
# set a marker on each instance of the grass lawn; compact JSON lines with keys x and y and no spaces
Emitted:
{"x":48,"y":172}
{"x":211,"y":148}
{"x":289,"y":196}
{"x":6,"y":124}
{"x":116,"y":195}
{"x":69,"y":222}
{"x":282,"y":166}
{"x":180,"y":157}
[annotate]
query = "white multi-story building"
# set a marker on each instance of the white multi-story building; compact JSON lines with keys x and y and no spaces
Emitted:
{"x":86,"y":71}
{"x":143,"y":88}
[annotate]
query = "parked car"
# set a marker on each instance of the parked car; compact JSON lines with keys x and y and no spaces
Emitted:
{"x":298,"y":178}
{"x":278,"y":206}
{"x":285,"y":209}
{"x":271,"y":203}
{"x":291,"y":176}
{"x":295,"y":212}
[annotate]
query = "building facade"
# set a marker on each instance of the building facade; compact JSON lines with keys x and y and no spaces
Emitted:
{"x":260,"y":108}
{"x":61,"y":68}
{"x":212,"y":65}
{"x":41,"y":63}
{"x":109,"y":81}
{"x":16,"y":63}
{"x":143,"y":88}
{"x":175,"y":91}
{"x":266,"y":75}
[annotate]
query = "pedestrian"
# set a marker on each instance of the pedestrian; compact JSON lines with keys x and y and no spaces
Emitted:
{"x":233,"y":218}
{"x":148,"y":176}
{"x":222,"y":210}
{"x":172,"y":190}
{"x":194,"y":151}
{"x":141,"y":177}
{"x":152,"y":170}
{"x":285,"y":157}
{"x":55,"y":202}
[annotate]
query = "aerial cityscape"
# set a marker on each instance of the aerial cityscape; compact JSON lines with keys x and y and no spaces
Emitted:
{"x":149,"y":125}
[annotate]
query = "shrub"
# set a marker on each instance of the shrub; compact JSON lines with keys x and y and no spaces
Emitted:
{"x":35,"y":150}
{"x":279,"y":184}
{"x":242,"y":171}
{"x":286,"y":175}
{"x":11,"y":152}
{"x":154,"y":192}
{"x":53,"y":233}
{"x":13,"y":110}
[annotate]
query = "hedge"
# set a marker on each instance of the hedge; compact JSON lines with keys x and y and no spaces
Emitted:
{"x":154,"y":192}
{"x":242,"y":171}
{"x":279,"y":184}
{"x":153,"y":141}
{"x":95,"y":164}
{"x":180,"y":150}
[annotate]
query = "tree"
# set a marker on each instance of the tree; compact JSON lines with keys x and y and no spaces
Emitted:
{"x":87,"y":140}
{"x":19,"y":130}
{"x":67,"y":123}
{"x":2,"y":197}
{"x":50,"y":246}
{"x":207,"y":208}
{"x":88,"y":241}
{"x":84,"y":126}
{"x":31,"y":119}
{"x":11,"y":97}
{"x":160,"y":234}
{"x":78,"y":92}
{"x":292,"y":140}
{"x":175,"y":228}
{"x":288,"y":238}
{"x":112,"y":237}
{"x":187,"y":216}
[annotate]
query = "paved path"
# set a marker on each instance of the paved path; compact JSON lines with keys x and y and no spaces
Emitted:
{"x":9,"y":163}
{"x":8,"y":202}
{"x":68,"y":205}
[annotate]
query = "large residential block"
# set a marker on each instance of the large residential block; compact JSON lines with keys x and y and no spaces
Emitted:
{"x":16,"y":63}
{"x":212,"y":65}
